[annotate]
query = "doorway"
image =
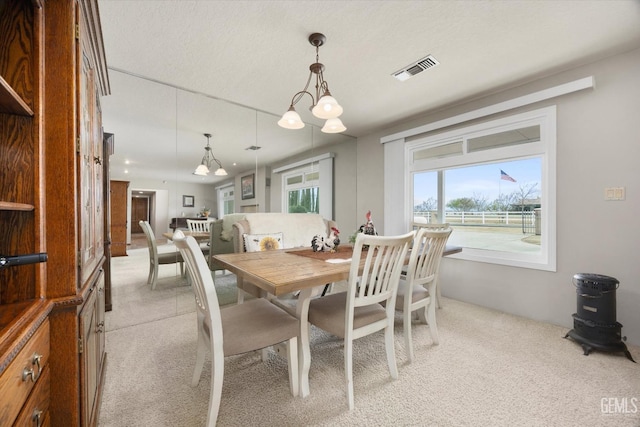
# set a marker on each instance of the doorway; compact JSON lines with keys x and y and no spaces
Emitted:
{"x":139,"y":212}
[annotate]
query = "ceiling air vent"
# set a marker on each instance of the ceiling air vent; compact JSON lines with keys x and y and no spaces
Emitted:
{"x":415,"y":68}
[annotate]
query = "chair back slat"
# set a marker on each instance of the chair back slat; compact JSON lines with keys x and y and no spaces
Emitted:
{"x":378,"y":280}
{"x":198,"y":226}
{"x":426,"y":255}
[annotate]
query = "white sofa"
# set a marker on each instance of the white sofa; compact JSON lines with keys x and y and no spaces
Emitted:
{"x":298,"y":229}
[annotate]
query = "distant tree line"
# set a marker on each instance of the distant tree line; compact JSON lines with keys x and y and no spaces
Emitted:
{"x":514,"y":201}
{"x":304,"y":200}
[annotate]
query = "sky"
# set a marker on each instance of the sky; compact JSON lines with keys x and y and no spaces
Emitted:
{"x":481,"y":180}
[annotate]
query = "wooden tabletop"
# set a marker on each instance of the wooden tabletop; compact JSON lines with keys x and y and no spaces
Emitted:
{"x":284,"y":271}
{"x":200,"y":236}
{"x":281,"y":272}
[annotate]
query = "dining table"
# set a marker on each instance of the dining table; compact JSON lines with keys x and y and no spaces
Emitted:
{"x":200,"y":236}
{"x":280,"y":272}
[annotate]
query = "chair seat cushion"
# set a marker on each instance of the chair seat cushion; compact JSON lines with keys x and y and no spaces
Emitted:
{"x":169,"y":258}
{"x":254,"y":325}
{"x":328,"y":313}
{"x":419,"y":293}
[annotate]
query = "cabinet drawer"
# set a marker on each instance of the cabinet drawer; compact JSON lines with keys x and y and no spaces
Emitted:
{"x":37,"y":407}
{"x":19,"y":378}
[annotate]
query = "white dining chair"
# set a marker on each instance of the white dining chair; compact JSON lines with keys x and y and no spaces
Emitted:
{"x":234,"y":329}
{"x":156,"y":259}
{"x":417,"y":290}
{"x":357,"y":312}
{"x":198,"y":225}
{"x":433,"y":226}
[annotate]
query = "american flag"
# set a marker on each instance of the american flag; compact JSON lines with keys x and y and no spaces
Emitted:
{"x":505,"y":176}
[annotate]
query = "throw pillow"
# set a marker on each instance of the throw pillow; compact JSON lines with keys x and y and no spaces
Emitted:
{"x":263,"y":242}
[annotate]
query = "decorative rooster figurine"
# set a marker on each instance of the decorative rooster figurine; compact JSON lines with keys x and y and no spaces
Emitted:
{"x":329,"y":244}
{"x":368,"y":227}
{"x":332,"y":242}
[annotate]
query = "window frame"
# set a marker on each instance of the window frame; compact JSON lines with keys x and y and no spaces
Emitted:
{"x":545,"y":149}
{"x":324,"y":166}
{"x":222,"y":199}
{"x":312,"y":168}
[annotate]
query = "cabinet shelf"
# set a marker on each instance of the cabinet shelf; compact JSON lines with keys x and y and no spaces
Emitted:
{"x":11,"y":206}
{"x":10,"y":101}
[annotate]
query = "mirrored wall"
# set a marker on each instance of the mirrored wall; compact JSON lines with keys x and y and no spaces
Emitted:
{"x":159,"y":141}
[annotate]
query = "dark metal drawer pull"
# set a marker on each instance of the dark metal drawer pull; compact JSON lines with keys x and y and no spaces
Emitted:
{"x":37,"y":418}
{"x":26,"y":373}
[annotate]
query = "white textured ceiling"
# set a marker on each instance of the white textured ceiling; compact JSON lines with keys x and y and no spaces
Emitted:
{"x":256,"y":54}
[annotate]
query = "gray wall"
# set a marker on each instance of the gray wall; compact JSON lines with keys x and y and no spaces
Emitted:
{"x":598,"y":146}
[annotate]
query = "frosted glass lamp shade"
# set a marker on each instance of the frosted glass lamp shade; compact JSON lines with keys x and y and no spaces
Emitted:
{"x":327,"y":108}
{"x":201,"y":170}
{"x":333,"y":126}
{"x":291,"y":120}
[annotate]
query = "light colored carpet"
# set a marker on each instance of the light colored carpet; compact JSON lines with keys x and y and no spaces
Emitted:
{"x":133,"y":300}
{"x":490,"y":369}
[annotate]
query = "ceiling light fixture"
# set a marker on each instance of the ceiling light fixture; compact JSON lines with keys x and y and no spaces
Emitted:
{"x":324,"y":106}
{"x":207,"y":159}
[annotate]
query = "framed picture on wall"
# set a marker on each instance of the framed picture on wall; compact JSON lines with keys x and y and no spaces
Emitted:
{"x":188,"y":201}
{"x":247,"y":183}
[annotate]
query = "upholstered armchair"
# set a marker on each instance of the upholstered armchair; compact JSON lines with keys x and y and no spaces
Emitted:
{"x":221,"y":240}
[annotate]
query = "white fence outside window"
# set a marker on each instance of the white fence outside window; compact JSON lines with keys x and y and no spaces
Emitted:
{"x":528,"y":221}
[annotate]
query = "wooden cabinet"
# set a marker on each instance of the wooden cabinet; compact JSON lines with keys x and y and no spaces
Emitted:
{"x":24,"y":328}
{"x":119,"y":197}
{"x":52,"y":199}
{"x":75,"y":78}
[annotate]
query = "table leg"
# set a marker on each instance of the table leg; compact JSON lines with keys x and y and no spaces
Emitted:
{"x":304,"y":351}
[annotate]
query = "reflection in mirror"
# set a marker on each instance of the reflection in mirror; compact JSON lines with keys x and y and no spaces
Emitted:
{"x":160,"y":140}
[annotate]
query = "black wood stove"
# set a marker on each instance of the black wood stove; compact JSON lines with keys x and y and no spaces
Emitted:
{"x":594,"y":325}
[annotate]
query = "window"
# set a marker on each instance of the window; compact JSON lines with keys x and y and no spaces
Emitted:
{"x":302,"y":189}
{"x":494,"y":183}
{"x":307,"y":185}
{"x":226,"y":201}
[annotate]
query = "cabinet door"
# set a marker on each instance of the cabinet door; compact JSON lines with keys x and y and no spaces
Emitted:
{"x":89,"y":374}
{"x":87,"y":217}
{"x":91,"y":172}
{"x":97,"y":149}
{"x":100,"y":314}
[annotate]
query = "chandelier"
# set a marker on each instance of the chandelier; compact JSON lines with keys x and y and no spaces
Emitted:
{"x":207,"y":160}
{"x":323,"y":105}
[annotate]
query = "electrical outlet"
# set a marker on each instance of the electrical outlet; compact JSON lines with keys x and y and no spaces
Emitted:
{"x":614,"y":193}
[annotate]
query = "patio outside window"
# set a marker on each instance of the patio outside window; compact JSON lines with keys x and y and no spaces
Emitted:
{"x":494,"y":183}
